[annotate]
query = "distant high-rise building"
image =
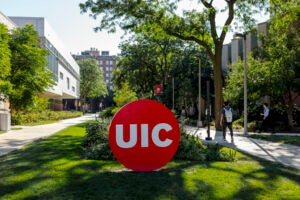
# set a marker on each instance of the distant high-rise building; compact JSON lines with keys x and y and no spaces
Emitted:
{"x":105,"y":61}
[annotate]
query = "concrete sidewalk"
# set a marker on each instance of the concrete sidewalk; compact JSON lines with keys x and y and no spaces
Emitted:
{"x":288,"y":155}
{"x":15,"y":139}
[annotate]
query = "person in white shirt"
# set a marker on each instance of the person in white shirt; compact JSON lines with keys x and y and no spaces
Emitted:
{"x":266,"y":119}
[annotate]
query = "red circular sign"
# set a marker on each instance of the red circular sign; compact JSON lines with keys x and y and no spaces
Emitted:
{"x":144,"y":135}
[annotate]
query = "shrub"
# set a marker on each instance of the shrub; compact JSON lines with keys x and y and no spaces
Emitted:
{"x":95,"y":144}
{"x":27,"y":117}
{"x":216,"y":152}
{"x":190,"y":147}
{"x":106,"y":113}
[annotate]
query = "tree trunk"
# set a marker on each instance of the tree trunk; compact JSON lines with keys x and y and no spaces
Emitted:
{"x":290,"y":109}
{"x":218,"y":84}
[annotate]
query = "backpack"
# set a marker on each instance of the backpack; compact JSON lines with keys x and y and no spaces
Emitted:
{"x":228,"y":114}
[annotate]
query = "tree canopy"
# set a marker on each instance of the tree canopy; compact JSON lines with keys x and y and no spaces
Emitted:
{"x":29,"y":75}
{"x":198,"y":24}
{"x":91,"y":79}
{"x":5,"y":56}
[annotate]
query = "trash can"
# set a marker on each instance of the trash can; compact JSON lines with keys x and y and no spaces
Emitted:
{"x":5,"y":121}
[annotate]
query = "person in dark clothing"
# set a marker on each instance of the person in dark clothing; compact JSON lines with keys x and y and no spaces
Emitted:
{"x":226,"y":120}
{"x":267,"y":121}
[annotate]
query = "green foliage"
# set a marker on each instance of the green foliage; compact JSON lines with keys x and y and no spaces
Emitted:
{"x":52,"y":169}
{"x":92,"y":82}
{"x":34,"y":117}
{"x":123,"y":96}
{"x":190,"y":147}
{"x":107,"y":113}
{"x":29,"y":75}
{"x":5,"y":56}
{"x":91,"y":79}
{"x":95,"y":144}
{"x":216,"y":152}
{"x":197,"y":24}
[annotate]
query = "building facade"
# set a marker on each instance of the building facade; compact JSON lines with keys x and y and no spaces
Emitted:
{"x":105,"y":61}
{"x":66,"y":73}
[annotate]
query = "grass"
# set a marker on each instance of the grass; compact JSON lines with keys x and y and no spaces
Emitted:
{"x":52,"y":169}
{"x":284,"y":139}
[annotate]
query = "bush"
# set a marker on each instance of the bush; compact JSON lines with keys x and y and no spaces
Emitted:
{"x":95,"y":144}
{"x":106,"y":113}
{"x":190,"y":147}
{"x":217,"y":152}
{"x":29,"y":117}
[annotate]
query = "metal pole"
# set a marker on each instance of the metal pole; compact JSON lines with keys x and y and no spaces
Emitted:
{"x":208,"y":110}
{"x":199,"y":95}
{"x":173,"y":97}
{"x":245,"y":89}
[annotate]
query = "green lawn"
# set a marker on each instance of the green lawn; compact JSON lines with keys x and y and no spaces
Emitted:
{"x":285,"y":139}
{"x":52,"y":169}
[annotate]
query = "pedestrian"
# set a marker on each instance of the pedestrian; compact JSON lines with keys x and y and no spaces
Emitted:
{"x":226,"y":120}
{"x":267,"y":121}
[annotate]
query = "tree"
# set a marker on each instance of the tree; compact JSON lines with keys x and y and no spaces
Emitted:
{"x":91,"y":80}
{"x":198,"y":25}
{"x":29,"y":75}
{"x":275,"y":72}
{"x":145,"y":61}
{"x":283,"y":52}
{"x":123,"y":95}
{"x":5,"y":66}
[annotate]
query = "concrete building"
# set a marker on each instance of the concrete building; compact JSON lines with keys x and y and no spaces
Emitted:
{"x":65,"y":70}
{"x":106,"y":63}
{"x":234,"y":50}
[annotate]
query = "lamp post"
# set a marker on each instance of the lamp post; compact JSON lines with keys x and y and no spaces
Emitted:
{"x":243,"y":35}
{"x":173,"y":91}
{"x":199,"y":123}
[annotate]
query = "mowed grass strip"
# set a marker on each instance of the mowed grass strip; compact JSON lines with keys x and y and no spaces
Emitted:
{"x":52,"y":169}
{"x":284,"y":139}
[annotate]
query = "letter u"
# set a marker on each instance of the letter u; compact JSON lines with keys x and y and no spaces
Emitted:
{"x":120,"y":136}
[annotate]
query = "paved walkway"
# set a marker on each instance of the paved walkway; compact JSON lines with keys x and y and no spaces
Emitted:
{"x":288,"y":155}
{"x":15,"y":139}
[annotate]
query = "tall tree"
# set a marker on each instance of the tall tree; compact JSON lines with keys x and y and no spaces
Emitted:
{"x":197,"y":24}
{"x":5,"y":66}
{"x":276,"y":71}
{"x":91,"y":80}
{"x":29,"y":75}
{"x":283,"y":52}
{"x":144,"y":62}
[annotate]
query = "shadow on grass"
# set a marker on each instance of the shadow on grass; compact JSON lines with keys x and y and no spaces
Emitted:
{"x":51,"y":169}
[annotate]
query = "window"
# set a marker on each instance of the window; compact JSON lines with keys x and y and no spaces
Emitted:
{"x":111,"y":62}
{"x":73,"y":88}
{"x":101,"y":68}
{"x":61,"y":75}
{"x":68,"y":83}
{"x":101,"y":62}
{"x":107,"y":62}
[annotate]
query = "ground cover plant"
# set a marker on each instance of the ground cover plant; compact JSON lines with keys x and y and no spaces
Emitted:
{"x":285,"y":139}
{"x":41,"y":117}
{"x":52,"y":169}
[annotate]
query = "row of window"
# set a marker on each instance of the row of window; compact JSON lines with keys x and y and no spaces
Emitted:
{"x":61,"y":76}
{"x":107,"y":68}
{"x":107,"y":62}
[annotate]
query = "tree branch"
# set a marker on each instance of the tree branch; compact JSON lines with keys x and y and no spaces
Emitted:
{"x":230,"y":4}
{"x":200,"y":42}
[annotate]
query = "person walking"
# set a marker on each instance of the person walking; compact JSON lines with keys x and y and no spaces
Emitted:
{"x":267,"y":122}
{"x":226,"y":120}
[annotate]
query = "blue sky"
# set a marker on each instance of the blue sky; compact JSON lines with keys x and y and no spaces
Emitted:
{"x":75,"y":30}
